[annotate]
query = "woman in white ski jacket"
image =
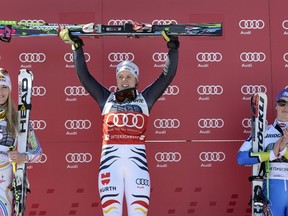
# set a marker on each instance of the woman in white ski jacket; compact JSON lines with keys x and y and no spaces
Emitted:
{"x":8,"y":141}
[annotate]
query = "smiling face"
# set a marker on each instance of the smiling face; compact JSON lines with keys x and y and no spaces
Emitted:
{"x":282,"y":109}
{"x":125,"y":80}
{"x":4,"y":94}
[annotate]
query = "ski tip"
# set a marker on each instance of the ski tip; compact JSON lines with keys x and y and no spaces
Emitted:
{"x":26,"y":71}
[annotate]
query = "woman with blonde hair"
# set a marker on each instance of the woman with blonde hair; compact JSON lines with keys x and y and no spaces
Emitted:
{"x":8,"y":143}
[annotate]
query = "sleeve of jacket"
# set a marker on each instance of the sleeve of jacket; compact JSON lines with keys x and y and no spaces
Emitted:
{"x":93,"y":87}
{"x":245,"y":156}
{"x":158,"y":87}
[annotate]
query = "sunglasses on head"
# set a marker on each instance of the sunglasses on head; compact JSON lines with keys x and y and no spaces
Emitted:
{"x":282,"y":102}
{"x":125,"y":95}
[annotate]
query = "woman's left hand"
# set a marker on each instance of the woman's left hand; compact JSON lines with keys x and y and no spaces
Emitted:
{"x":17,"y":157}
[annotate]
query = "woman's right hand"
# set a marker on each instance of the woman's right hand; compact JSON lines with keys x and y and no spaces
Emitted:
{"x":281,"y":144}
{"x":67,"y":37}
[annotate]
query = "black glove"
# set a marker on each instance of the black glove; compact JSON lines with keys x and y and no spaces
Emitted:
{"x":67,"y":37}
{"x":172,"y":41}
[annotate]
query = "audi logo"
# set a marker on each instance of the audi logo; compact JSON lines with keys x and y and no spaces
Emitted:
{"x":43,"y":159}
{"x":168,"y":157}
{"x":78,"y":157}
{"x":77,"y":124}
{"x":252,"y":57}
{"x":141,"y":181}
{"x":211,"y":123}
{"x":252,"y":89}
{"x":75,"y":91}
{"x":159,"y":57}
{"x":166,"y":123}
{"x":119,"y":57}
{"x":68,"y":57}
{"x":31,"y":22}
{"x":285,"y":24}
{"x":38,"y":124}
{"x":210,"y":90}
{"x":125,"y":120}
{"x":38,"y":91}
{"x":164,"y":22}
{"x":212,"y":156}
{"x":285,"y":57}
{"x":251,"y":24}
{"x":246,"y":123}
{"x":209,"y":57}
{"x":119,"y":22}
{"x":171,"y":90}
{"x":32,"y":57}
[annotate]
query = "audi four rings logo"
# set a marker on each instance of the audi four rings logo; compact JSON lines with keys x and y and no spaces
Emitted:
{"x":78,"y":157}
{"x":75,"y":91}
{"x":210,"y":90}
{"x":285,"y":24}
{"x":118,"y":57}
{"x":68,"y":57}
{"x":168,"y":157}
{"x":251,"y":24}
{"x":246,"y":123}
{"x":252,"y":89}
{"x":166,"y":123}
{"x":164,"y":22}
{"x":159,"y":57}
{"x":209,"y":57}
{"x":211,"y":123}
{"x":141,"y":181}
{"x":38,"y":124}
{"x":31,"y":22}
{"x":252,"y":57}
{"x":212,"y":156}
{"x":77,"y":124}
{"x":172,"y":90}
{"x":285,"y":57}
{"x":38,"y":91}
{"x":32,"y":57}
{"x":125,"y":120}
{"x":119,"y":22}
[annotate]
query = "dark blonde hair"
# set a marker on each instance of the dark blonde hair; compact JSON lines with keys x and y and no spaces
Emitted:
{"x":11,"y":117}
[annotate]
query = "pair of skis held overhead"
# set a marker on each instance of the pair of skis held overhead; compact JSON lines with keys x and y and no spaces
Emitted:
{"x":10,"y":29}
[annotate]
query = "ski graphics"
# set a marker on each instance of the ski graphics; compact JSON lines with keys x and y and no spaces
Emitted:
{"x":10,"y":29}
{"x":20,"y":183}
{"x":258,"y":123}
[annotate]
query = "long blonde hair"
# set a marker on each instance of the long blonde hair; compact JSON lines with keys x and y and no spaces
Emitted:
{"x":11,"y":117}
{"x":11,"y":114}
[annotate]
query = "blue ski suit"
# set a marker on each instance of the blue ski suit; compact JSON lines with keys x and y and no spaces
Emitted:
{"x":278,"y":174}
